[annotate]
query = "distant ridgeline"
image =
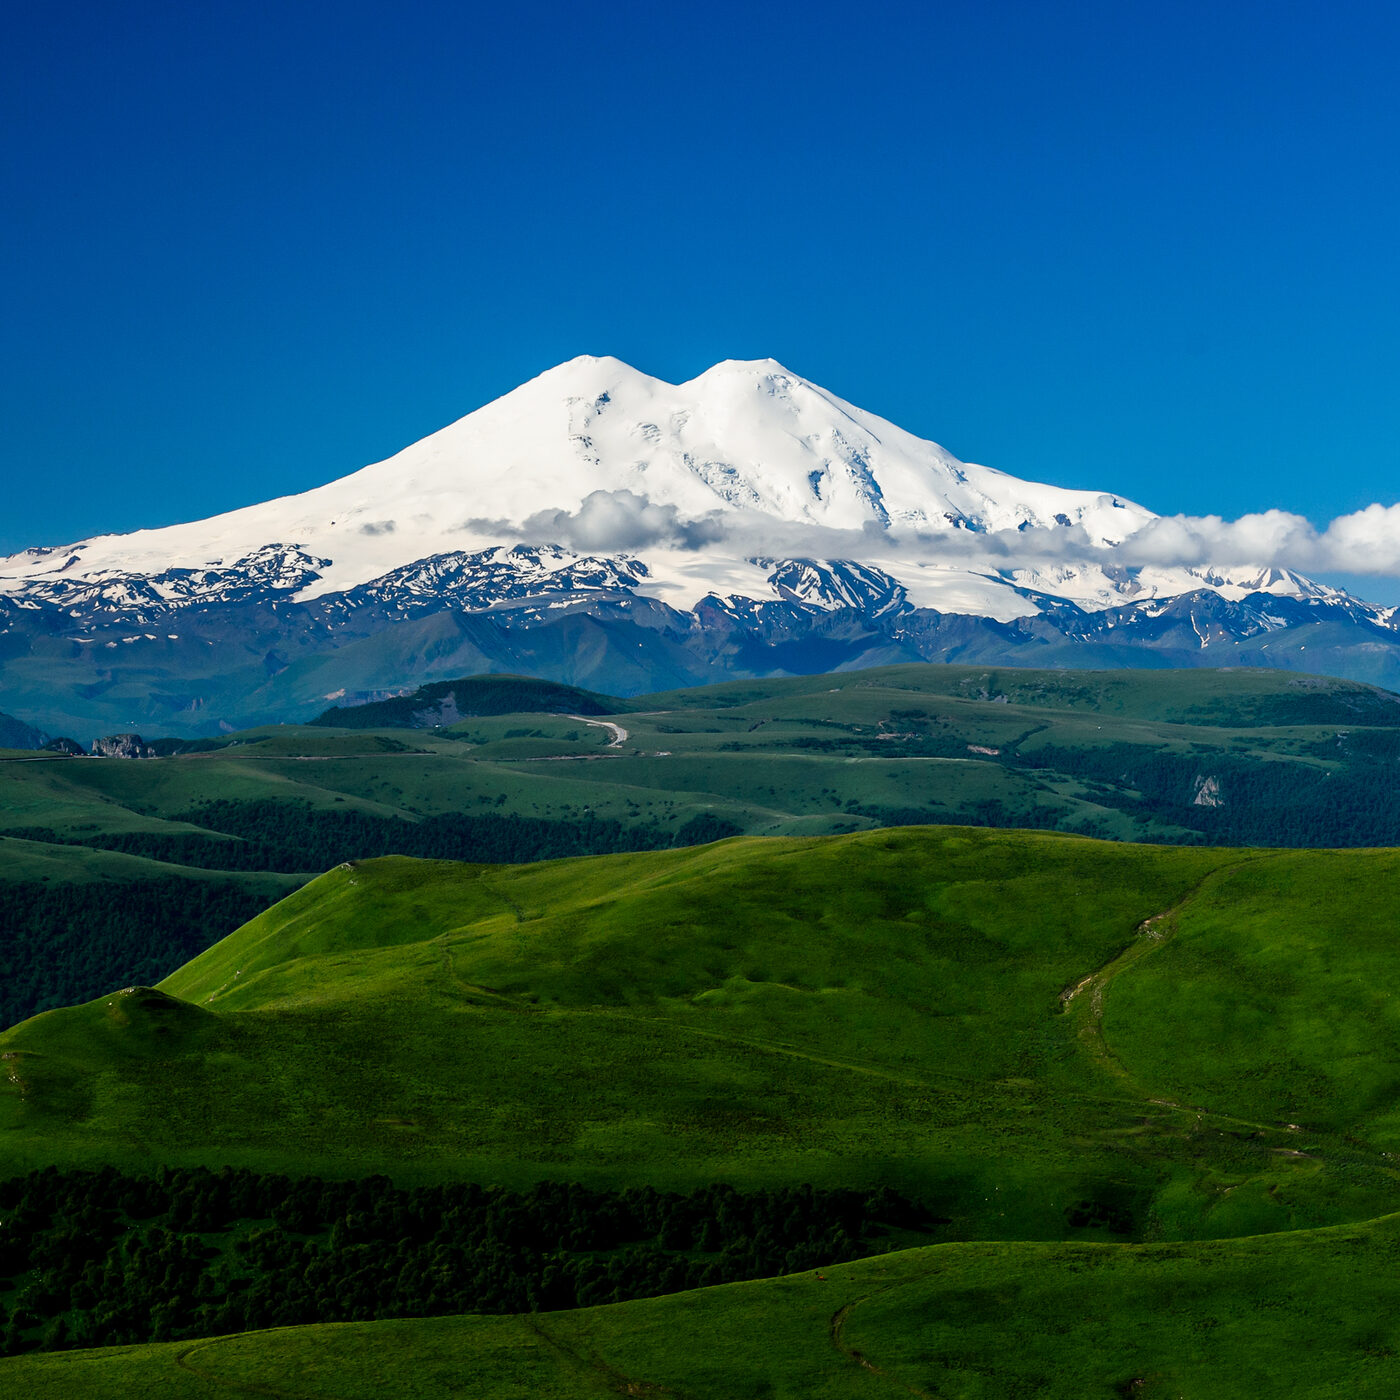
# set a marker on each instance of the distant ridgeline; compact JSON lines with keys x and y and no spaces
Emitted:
{"x":103,"y":1259}
{"x":446,"y":702}
{"x":15,"y":734}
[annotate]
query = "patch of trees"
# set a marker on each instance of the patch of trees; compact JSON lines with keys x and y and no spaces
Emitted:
{"x":291,"y":837}
{"x":1264,"y":802}
{"x":473,"y":695}
{"x":99,"y":1258}
{"x":1276,"y":801}
{"x":65,"y":943}
{"x":703,"y":828}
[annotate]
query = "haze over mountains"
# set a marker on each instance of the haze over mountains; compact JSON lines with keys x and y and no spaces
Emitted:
{"x":604,"y":528}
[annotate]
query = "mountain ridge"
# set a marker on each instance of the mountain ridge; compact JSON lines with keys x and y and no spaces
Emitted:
{"x":601,"y":528}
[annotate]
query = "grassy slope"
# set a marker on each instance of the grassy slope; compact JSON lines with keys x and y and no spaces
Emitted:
{"x":875,"y":1008}
{"x":803,"y":757}
{"x":1312,"y":1314}
{"x":1231,"y":696}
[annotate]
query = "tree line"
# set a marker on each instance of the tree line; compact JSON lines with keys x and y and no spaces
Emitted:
{"x":1337,"y":790}
{"x":294,"y":837}
{"x":61,"y":944}
{"x":101,"y":1258}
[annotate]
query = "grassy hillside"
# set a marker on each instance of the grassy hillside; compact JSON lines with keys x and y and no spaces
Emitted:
{"x":956,"y":1013}
{"x":1216,"y":758}
{"x":1146,"y":1096}
{"x":1304,"y":1316}
{"x":1233,"y":697}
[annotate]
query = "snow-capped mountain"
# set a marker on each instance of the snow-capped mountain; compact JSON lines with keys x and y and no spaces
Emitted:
{"x":744,"y":521}
{"x":604,"y":457}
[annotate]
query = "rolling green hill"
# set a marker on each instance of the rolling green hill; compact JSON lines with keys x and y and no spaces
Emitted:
{"x":1031,"y":1034}
{"x":1152,"y":1094}
{"x":1242,"y":757}
{"x":1306,"y":1316}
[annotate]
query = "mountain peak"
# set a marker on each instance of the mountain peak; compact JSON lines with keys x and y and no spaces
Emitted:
{"x":586,"y":369}
{"x":743,"y":369}
{"x":745,"y":519}
{"x":747,"y":459}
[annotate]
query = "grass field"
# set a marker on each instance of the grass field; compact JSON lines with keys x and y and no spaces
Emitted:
{"x":1134,"y":1080}
{"x":1153,"y":1090}
{"x":1039,"y":1036}
{"x":1310,"y":1314}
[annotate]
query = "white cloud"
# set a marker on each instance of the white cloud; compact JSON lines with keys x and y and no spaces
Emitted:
{"x":621,"y":520}
{"x":1365,"y":542}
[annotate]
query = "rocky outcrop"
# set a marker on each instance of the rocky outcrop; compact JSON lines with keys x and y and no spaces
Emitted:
{"x":1208,"y":792}
{"x":65,"y":745}
{"x":122,"y":746}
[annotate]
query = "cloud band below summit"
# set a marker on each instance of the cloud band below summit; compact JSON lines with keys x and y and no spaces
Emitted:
{"x":1364,"y":542}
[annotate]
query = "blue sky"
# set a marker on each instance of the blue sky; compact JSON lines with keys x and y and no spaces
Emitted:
{"x":249,"y":247}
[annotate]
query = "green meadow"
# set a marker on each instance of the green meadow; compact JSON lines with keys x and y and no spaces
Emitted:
{"x":1150,"y":1093}
{"x":1039,"y":1036}
{"x":1216,"y":758}
{"x":806,"y":756}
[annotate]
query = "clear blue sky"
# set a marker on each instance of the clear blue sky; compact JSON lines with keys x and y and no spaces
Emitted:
{"x":249,"y":247}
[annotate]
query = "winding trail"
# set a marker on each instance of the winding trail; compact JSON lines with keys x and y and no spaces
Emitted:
{"x":1150,"y":935}
{"x":837,"y":1330}
{"x":619,"y":734}
{"x":235,"y":1387}
{"x":593,"y":1365}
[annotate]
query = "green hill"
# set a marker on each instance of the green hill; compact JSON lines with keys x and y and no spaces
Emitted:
{"x":1229,"y":697}
{"x":1034,"y":1035}
{"x":1307,"y":1316}
{"x":1152,"y":1094}
{"x":445,"y":702}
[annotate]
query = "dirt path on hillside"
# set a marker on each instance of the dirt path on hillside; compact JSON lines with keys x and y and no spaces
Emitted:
{"x":235,"y":1387}
{"x":619,"y":734}
{"x":837,"y":1330}
{"x":1149,"y":936}
{"x":592,"y":1365}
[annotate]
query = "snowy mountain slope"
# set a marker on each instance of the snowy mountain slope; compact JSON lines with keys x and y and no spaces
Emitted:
{"x":699,"y":478}
{"x":610,"y":529}
{"x":745,"y":440}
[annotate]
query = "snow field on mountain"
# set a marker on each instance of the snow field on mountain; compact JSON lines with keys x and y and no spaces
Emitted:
{"x":708,"y":486}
